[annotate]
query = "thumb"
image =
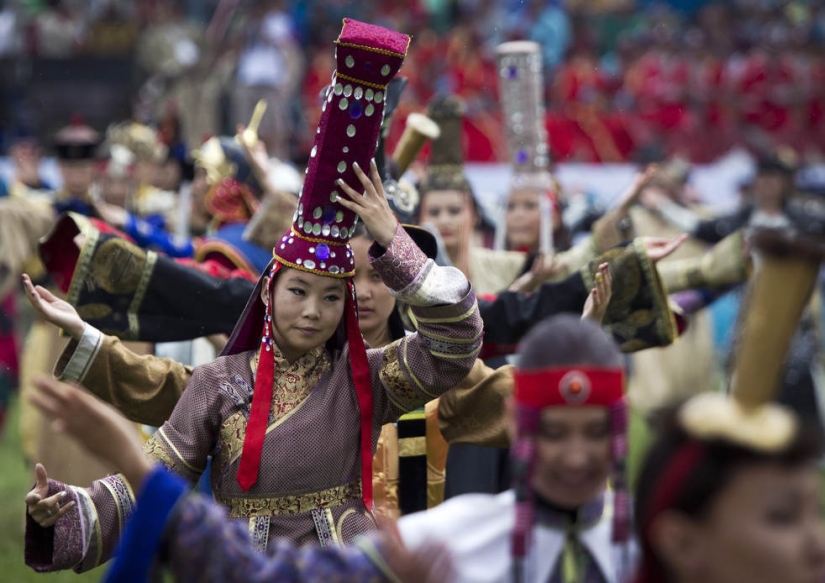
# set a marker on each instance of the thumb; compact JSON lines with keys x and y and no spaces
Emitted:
{"x":42,"y":478}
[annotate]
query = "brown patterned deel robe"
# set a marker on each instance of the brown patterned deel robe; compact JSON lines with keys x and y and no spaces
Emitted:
{"x":308,"y":489}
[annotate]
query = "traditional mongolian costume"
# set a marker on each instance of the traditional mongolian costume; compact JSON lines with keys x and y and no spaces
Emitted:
{"x":317,"y":486}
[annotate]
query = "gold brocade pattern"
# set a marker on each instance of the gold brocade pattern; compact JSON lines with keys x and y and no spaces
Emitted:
{"x":293,"y":384}
{"x":232,"y":434}
{"x":291,"y":505}
{"x":403,"y":393}
{"x":157,"y":451}
{"x":638,"y":314}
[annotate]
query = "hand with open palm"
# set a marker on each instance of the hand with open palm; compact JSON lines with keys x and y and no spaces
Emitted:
{"x":54,"y":310}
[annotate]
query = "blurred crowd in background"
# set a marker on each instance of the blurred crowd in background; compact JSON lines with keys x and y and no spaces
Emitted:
{"x":625,"y":80}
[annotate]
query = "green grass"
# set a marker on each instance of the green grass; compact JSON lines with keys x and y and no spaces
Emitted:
{"x":16,"y":479}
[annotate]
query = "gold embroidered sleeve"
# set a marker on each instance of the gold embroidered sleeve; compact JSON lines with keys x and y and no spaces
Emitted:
{"x":639,"y":315}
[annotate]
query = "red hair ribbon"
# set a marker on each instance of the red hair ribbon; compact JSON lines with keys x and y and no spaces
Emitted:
{"x":676,"y":473}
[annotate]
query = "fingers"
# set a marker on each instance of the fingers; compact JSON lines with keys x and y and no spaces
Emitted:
{"x":49,"y":396}
{"x":49,"y":510}
{"x":353,"y":194}
{"x":377,"y":183}
{"x":42,"y":477}
{"x":365,"y":181}
{"x":46,"y":294}
{"x":677,"y":242}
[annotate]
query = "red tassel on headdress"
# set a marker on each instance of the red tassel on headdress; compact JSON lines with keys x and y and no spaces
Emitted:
{"x":253,"y":442}
{"x":363,"y":390}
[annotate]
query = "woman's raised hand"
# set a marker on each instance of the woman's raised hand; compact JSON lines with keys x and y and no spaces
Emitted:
{"x":45,"y":509}
{"x":54,"y":310}
{"x":99,"y":427}
{"x":371,"y":206}
{"x":595,"y":306}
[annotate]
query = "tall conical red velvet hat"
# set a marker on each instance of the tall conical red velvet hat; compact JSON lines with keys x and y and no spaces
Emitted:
{"x":367,"y":58}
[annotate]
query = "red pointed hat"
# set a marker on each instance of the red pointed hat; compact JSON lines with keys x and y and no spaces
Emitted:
{"x":367,"y":59}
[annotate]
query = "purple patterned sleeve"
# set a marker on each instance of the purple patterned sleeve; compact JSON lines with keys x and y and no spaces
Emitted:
{"x":401,"y":263}
{"x":86,"y":536}
{"x":203,"y":544}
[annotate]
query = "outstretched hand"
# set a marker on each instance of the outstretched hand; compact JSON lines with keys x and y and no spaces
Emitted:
{"x":598,"y":299}
{"x":54,"y":310}
{"x":99,"y":427}
{"x":640,"y":181}
{"x":542,"y":269}
{"x":45,"y":510}
{"x":659,"y":247}
{"x":371,"y":206}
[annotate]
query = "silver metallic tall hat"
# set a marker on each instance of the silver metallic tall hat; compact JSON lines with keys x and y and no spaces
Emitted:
{"x":521,"y":93}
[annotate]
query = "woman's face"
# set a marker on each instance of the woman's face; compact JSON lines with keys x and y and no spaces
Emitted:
{"x":766,"y":526}
{"x":375,"y":304}
{"x":78,"y":176}
{"x":573,"y":458}
{"x":307,"y":309}
{"x":451,"y":213}
{"x":523,"y":220}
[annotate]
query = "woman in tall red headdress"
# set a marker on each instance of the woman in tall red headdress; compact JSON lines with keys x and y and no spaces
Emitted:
{"x":291,"y":412}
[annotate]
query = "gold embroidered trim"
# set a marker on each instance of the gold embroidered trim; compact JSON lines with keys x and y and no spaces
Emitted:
{"x":450,"y":339}
{"x":293,"y":385}
{"x":400,"y":390}
{"x":665,"y":321}
{"x":338,"y":532}
{"x":359,"y":81}
{"x":452,"y":320}
{"x":116,"y":499}
{"x":140,"y":293}
{"x":168,"y":443}
{"x":412,"y":446}
{"x":474,"y":352}
{"x":415,"y":378}
{"x":98,"y":534}
{"x":375,"y":50}
{"x":82,"y":267}
{"x":291,"y":505}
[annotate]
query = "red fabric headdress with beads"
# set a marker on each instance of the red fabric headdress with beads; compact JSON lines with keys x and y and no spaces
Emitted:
{"x":367,"y":58}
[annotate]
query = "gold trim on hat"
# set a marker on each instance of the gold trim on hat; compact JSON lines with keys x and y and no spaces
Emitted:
{"x":359,"y":81}
{"x":375,"y":50}
{"x":314,"y":270}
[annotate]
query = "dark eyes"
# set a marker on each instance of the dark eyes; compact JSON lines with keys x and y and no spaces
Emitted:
{"x":375,"y":276}
{"x":300,"y":292}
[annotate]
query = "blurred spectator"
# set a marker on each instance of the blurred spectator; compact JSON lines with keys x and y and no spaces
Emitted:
{"x":60,"y":31}
{"x":269,"y":67}
{"x":626,"y":79}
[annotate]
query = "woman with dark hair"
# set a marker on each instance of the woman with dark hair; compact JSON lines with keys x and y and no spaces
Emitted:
{"x":720,"y":511}
{"x":730,"y":491}
{"x":567,"y":421}
{"x":291,"y":411}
